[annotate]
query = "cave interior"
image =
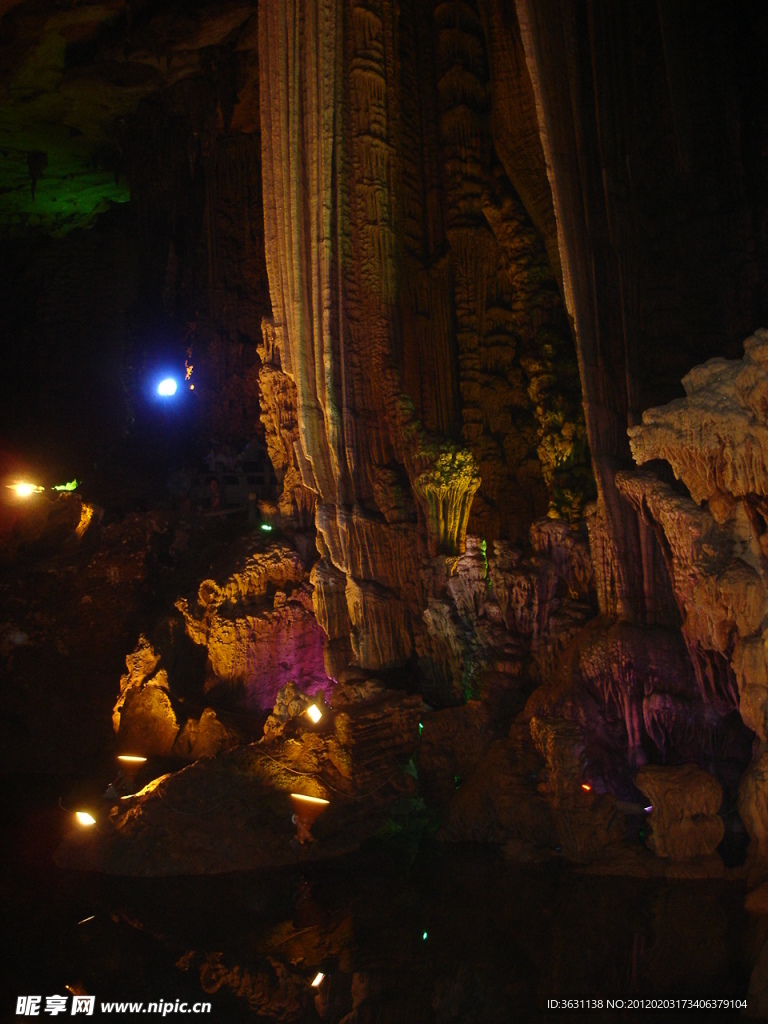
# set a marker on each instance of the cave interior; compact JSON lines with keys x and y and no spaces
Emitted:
{"x":430,"y":601}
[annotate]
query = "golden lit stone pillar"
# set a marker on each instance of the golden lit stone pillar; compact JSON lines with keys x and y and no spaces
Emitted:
{"x":300,"y":69}
{"x":329,"y":93}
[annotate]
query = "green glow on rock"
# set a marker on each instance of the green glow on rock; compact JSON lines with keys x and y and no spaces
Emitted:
{"x":71,"y":486}
{"x":484,"y":553}
{"x":60,"y":166}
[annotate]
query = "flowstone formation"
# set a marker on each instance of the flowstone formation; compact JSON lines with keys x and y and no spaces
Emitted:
{"x":684,"y":803}
{"x":231,"y":651}
{"x":258,"y":628}
{"x":424,"y":389}
{"x":334,"y":320}
{"x":279,"y":416}
{"x":716,"y":441}
{"x":448,"y":206}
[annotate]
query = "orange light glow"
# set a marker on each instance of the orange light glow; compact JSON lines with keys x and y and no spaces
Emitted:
{"x":314,"y":713}
{"x":309,"y":799}
{"x":586,"y":787}
{"x":318,"y":979}
{"x":85,"y":819}
{"x":307,"y":810}
{"x":23,"y":489}
{"x":131,"y":764}
{"x":86,"y":515}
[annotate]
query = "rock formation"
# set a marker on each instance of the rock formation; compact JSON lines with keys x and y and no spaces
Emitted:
{"x":233,"y":812}
{"x":715,"y":441}
{"x":258,"y":628}
{"x":427,"y":249}
{"x":684,"y":804}
{"x":375,"y":445}
{"x":279,"y":416}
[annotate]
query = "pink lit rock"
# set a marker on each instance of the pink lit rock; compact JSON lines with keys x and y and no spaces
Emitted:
{"x":259,"y":628}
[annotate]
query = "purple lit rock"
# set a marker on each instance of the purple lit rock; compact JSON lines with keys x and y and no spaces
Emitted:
{"x":259,"y":627}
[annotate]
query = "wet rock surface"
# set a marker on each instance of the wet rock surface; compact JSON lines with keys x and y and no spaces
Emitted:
{"x":500,"y":938}
{"x":233,"y":812}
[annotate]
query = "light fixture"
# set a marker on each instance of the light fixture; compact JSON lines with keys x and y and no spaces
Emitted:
{"x":314,"y":712}
{"x":23,"y":489}
{"x":130,"y":765}
{"x":307,"y":810}
{"x":586,"y":787}
{"x":85,"y":819}
{"x":167,"y":387}
{"x":318,"y":979}
{"x":648,"y":809}
{"x":424,"y":936}
{"x":266,"y":527}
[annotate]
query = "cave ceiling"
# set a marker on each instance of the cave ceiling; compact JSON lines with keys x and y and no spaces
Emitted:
{"x":72,"y":75}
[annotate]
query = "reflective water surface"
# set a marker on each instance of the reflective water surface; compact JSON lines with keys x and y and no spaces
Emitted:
{"x":408,"y":930}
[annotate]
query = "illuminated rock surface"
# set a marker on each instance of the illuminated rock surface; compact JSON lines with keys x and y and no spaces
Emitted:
{"x":258,"y":627}
{"x":713,"y":439}
{"x":716,"y":438}
{"x":279,"y":414}
{"x":435,"y":259}
{"x":234,"y":813}
{"x":376,"y":444}
{"x":684,"y":820}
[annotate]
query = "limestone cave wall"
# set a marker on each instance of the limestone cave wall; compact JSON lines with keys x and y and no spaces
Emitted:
{"x":415,"y":309}
{"x":647,"y":121}
{"x":441,"y":230}
{"x":447,"y":256}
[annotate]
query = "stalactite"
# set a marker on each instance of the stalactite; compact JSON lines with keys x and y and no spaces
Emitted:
{"x":330,"y":122}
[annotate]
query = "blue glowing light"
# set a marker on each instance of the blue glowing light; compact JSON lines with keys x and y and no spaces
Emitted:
{"x":167,"y":387}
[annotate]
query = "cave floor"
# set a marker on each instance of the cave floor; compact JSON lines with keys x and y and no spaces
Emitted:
{"x":409,"y":929}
